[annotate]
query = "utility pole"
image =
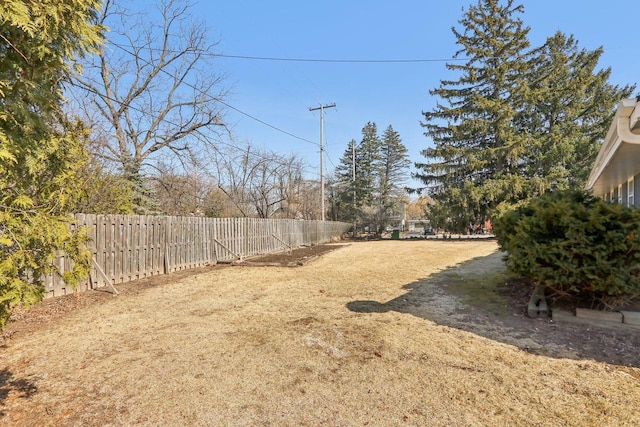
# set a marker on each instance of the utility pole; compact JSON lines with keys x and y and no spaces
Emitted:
{"x":353,"y":170}
{"x":321,"y":108}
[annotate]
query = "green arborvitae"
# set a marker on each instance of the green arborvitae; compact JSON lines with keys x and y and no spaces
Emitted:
{"x":41,"y":152}
{"x":475,"y":162}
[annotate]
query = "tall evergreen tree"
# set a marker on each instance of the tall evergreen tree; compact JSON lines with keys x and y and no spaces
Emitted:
{"x":570,"y":111}
{"x":345,"y":195}
{"x":474,"y":164}
{"x":394,"y":163}
{"x":367,"y":164}
{"x":380,"y":166}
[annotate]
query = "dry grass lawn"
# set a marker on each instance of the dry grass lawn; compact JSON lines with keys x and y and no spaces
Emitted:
{"x":271,"y":346}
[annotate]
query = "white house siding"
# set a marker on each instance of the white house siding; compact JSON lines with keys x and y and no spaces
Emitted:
{"x":619,"y":157}
{"x":636,"y":190}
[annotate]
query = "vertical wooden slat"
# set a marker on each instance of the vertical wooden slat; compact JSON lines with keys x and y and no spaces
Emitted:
{"x":168,"y":246}
{"x":99,"y":255}
{"x":110,"y":234}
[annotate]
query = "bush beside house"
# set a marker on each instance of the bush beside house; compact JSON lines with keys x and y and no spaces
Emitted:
{"x":575,"y":245}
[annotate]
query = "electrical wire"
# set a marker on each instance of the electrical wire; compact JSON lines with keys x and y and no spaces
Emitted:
{"x":321,"y":60}
{"x":267,"y":124}
{"x":343,"y":61}
{"x":124,"y":49}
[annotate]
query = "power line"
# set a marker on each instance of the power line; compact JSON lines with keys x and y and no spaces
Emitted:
{"x":330,"y":161}
{"x":267,"y":124}
{"x":199,"y":132}
{"x":224,"y":103}
{"x":325,"y":60}
{"x":344,"y":61}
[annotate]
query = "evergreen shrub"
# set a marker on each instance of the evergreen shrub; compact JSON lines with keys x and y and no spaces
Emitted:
{"x":575,"y":245}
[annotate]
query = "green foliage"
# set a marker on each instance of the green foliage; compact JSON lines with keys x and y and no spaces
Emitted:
{"x":380,"y":171}
{"x":103,"y":192}
{"x":474,"y":162}
{"x":518,"y":122}
{"x":576,"y":245}
{"x":344,"y":192}
{"x":41,"y":150}
{"x":394,"y":162}
{"x":570,"y":109}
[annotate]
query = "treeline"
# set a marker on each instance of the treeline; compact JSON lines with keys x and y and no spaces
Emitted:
{"x":238,"y":181}
{"x":368,"y":185}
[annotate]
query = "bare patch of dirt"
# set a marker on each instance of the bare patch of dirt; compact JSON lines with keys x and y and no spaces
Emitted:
{"x":373,"y":333}
{"x":294,"y":258}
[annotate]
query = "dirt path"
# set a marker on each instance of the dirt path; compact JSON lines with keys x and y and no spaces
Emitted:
{"x":370,"y":334}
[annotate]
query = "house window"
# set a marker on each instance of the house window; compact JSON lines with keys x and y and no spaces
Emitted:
{"x":630,"y":199}
{"x":611,"y":199}
{"x":620,"y":194}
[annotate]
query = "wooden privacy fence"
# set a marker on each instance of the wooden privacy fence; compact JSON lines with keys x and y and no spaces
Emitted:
{"x":129,"y":247}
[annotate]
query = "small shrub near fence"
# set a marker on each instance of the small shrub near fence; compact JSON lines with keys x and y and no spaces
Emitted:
{"x":129,"y":247}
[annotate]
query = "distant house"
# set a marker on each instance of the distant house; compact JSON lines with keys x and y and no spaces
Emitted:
{"x":615,"y":175}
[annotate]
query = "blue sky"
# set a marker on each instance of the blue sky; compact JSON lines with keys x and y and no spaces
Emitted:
{"x":281,"y":92}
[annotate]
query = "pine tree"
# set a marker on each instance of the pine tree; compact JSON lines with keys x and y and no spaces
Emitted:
{"x":571,"y":110}
{"x":368,"y":164}
{"x":345,"y":202}
{"x":41,"y":151}
{"x":380,"y":171}
{"x":394,"y":163}
{"x":475,"y":163}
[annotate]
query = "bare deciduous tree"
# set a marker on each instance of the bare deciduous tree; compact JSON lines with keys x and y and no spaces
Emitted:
{"x":309,"y":205}
{"x":152,"y":87}
{"x":261,"y":183}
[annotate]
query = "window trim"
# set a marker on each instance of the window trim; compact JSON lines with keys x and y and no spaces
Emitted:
{"x":619,"y":194}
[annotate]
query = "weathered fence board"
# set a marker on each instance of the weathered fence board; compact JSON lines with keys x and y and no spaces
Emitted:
{"x":129,"y":247}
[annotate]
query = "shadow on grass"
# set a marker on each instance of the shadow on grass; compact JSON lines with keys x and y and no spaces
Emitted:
{"x":478,"y":296}
{"x":16,"y":387}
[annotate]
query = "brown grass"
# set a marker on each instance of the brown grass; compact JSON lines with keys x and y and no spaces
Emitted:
{"x":242,"y":346}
